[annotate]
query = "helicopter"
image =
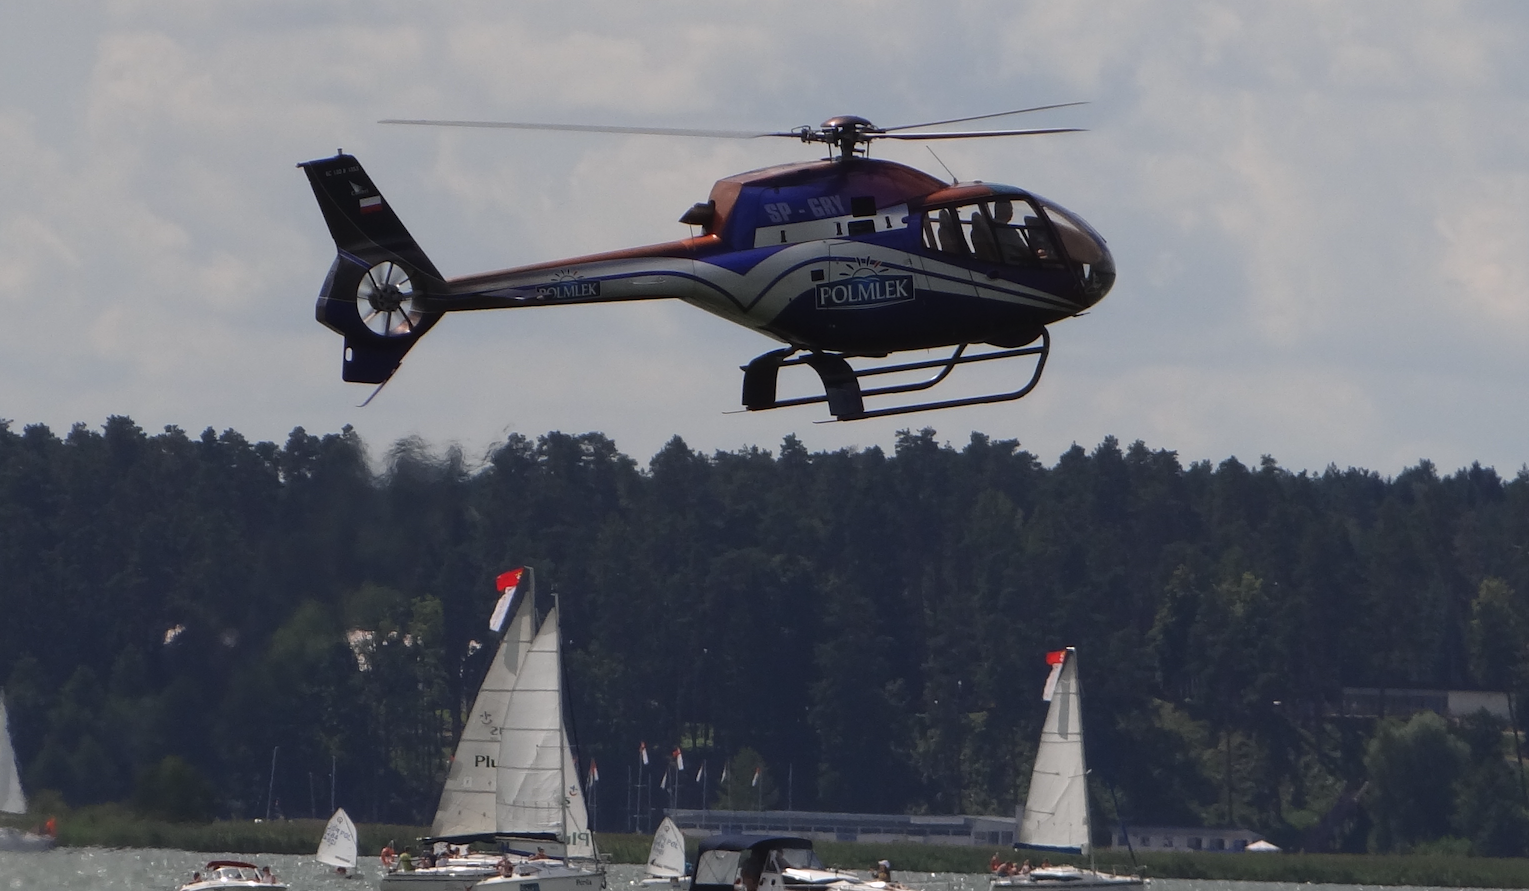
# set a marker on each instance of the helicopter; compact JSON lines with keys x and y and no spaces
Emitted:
{"x":843,"y":258}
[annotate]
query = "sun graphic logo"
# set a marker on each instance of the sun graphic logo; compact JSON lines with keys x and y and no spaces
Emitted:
{"x":567,"y":284}
{"x":867,"y":284}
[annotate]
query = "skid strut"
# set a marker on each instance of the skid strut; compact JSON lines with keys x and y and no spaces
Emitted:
{"x":841,"y":381}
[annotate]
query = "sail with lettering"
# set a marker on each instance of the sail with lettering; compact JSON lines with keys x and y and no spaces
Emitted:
{"x":468,"y":806}
{"x":338,"y":846}
{"x":538,"y":784}
{"x":666,"y":859}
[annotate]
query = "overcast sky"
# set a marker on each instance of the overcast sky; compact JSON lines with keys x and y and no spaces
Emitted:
{"x":1319,"y":212}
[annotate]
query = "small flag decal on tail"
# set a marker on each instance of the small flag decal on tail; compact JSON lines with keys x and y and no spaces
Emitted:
{"x":372,"y":204}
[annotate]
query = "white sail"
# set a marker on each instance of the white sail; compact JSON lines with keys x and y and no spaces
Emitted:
{"x":1056,"y":811}
{"x":468,"y":801}
{"x":533,"y":760}
{"x":12,"y":800}
{"x":338,"y":847}
{"x":666,"y":859}
{"x":579,"y":841}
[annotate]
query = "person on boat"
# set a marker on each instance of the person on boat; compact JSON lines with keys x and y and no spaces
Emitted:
{"x":266,"y":877}
{"x":505,"y":867}
{"x":405,"y":861}
{"x":749,"y":872}
{"x":541,"y":854}
{"x":993,"y":864}
{"x":883,"y":871}
{"x":1024,"y":868}
{"x":389,"y":856}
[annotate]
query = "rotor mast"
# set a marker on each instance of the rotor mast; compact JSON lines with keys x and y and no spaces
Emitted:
{"x":847,"y":132}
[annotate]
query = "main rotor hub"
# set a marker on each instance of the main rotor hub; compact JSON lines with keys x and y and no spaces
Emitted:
{"x":847,"y":132}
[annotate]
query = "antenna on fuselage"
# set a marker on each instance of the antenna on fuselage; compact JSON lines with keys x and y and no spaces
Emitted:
{"x":953,"y":178}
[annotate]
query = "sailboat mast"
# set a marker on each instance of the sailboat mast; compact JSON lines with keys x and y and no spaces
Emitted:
{"x":1088,"y":825}
{"x":562,"y":726}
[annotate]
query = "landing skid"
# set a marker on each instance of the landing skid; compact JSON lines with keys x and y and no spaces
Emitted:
{"x":841,"y":381}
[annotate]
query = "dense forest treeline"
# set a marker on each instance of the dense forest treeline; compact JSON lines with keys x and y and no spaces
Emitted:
{"x":207,"y":625}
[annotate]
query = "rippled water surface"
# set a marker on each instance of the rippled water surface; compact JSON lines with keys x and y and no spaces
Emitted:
{"x":103,"y":869}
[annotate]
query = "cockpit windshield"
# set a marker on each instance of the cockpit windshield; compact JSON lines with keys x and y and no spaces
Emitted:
{"x":782,"y":859}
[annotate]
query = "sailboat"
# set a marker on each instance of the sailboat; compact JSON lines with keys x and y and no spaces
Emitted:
{"x":468,"y":807}
{"x":539,"y":802}
{"x":12,"y":799}
{"x":1055,"y":817}
{"x":666,"y":859}
{"x":338,"y":846}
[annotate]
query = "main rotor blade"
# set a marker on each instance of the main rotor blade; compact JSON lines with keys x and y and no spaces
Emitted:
{"x":590,"y":128}
{"x":978,"y":134}
{"x":983,"y":117}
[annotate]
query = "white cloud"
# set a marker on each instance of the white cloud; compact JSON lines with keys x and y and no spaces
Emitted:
{"x":1304,"y":199}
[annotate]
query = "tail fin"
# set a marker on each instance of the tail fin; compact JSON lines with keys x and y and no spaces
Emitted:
{"x":373,"y":292}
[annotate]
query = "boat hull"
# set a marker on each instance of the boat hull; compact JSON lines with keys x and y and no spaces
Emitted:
{"x":532,"y":876}
{"x":1067,"y":878}
{"x":440,"y":878}
{"x":12,"y":840}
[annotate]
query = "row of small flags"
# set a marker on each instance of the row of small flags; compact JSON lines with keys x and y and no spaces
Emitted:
{"x":1055,"y":659}
{"x":679,"y":765}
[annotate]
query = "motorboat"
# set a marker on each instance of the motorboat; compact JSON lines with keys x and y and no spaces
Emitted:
{"x":768,"y":863}
{"x":225,"y":874}
{"x":1055,"y":817}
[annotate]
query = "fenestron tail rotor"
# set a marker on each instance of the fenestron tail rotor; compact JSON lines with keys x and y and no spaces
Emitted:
{"x":385,"y":300}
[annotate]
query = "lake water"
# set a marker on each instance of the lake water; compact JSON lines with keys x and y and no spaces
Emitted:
{"x":107,"y":869}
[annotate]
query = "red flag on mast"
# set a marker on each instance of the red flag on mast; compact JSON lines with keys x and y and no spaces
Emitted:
{"x":1055,"y":660}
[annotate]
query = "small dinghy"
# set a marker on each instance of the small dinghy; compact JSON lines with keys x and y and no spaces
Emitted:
{"x":338,"y":846}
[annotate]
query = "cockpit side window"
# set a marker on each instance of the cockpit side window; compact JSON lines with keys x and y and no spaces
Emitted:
{"x":952,"y":239}
{"x":988,"y":230}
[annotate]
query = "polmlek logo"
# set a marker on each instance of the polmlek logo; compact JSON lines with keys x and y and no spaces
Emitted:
{"x":867,"y":286}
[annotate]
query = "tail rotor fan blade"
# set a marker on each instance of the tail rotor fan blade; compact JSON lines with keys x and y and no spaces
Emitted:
{"x":385,"y":300}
